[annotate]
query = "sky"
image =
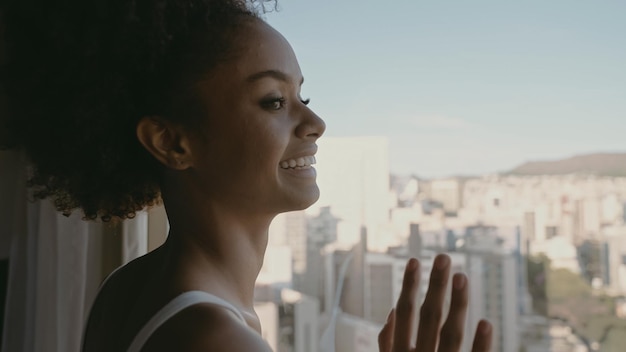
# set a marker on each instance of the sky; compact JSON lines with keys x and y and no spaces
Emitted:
{"x":465,"y":87}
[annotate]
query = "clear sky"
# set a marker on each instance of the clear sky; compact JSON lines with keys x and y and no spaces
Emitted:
{"x":465,"y":87}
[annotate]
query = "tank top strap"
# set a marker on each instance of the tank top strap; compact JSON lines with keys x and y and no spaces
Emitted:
{"x":180,"y":302}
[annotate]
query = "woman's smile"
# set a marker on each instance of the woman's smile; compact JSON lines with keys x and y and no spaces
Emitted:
{"x":298,"y":163}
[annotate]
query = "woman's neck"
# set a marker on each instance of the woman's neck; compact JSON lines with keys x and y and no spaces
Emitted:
{"x":218,"y":251}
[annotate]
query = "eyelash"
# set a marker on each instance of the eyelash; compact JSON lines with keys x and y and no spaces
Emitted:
{"x":271,"y":104}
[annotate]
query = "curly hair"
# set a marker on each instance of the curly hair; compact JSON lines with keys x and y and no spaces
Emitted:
{"x":80,"y":74}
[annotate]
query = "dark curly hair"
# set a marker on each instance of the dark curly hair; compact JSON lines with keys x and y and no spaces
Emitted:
{"x":79,"y":75}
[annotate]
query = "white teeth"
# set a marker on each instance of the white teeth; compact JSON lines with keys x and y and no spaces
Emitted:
{"x":301,"y":162}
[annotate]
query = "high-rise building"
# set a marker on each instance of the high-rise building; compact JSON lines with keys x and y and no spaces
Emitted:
{"x":276,"y":269}
{"x":321,"y":231}
{"x":353,"y":176}
{"x":290,"y":229}
{"x":613,"y":259}
{"x":383,"y":283}
{"x":494,"y":277}
{"x":290,"y":320}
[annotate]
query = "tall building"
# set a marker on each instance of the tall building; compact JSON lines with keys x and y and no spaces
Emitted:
{"x":501,"y":301}
{"x":290,"y":320}
{"x":383,"y":283}
{"x":277,"y":267}
{"x":296,"y":228}
{"x":322,"y":231}
{"x":495,"y":278}
{"x":613,"y":259}
{"x":353,"y":176}
{"x":290,"y":229}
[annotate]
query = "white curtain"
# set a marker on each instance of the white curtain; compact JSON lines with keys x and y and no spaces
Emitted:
{"x":55,"y":265}
{"x":135,"y":237}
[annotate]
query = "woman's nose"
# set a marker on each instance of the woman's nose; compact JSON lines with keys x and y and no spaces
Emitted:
{"x":311,"y":126}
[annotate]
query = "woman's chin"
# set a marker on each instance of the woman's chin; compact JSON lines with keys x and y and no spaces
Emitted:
{"x":303,"y":200}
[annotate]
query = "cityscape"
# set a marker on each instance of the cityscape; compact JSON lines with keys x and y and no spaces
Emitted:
{"x":545,"y":254}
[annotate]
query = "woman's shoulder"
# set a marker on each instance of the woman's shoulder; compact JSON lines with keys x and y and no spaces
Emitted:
{"x":115,"y":303}
{"x":128,"y":301}
{"x":205,"y":327}
{"x":126,"y":283}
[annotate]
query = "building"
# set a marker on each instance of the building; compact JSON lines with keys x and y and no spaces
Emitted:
{"x":449,"y":192}
{"x":353,"y":176}
{"x":290,"y":320}
{"x":277,"y":267}
{"x":321,"y":232}
{"x":356,"y":335}
{"x":290,"y":230}
{"x":613,"y":259}
{"x":494,"y":274}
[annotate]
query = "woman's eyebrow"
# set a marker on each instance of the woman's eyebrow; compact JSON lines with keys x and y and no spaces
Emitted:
{"x":278,"y":75}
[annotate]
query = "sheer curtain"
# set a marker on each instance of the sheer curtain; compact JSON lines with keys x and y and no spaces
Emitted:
{"x":56,"y":264}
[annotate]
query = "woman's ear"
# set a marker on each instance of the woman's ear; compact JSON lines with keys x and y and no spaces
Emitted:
{"x":167,"y":142}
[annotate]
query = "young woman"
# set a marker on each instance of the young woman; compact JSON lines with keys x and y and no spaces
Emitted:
{"x":195,"y":103}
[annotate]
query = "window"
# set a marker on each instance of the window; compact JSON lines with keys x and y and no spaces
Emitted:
{"x":487,"y":107}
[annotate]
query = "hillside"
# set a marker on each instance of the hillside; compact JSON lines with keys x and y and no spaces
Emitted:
{"x":602,"y":164}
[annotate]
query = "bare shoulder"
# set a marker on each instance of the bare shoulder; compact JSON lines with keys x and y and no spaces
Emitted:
{"x":111,"y":311}
{"x":205,"y":327}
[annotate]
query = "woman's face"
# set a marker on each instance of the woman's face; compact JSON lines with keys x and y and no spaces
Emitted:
{"x":257,"y":128}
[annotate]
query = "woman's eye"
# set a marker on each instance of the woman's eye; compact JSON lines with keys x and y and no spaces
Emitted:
{"x":274,"y":103}
{"x":279,"y":103}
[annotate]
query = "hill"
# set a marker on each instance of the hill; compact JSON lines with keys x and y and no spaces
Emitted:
{"x":601,"y":164}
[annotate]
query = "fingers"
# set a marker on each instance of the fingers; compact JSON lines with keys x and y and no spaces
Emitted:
{"x":451,"y":335}
{"x":430,"y":314}
{"x":483,"y":337}
{"x":397,"y":331}
{"x":385,"y":337}
{"x":406,"y":307}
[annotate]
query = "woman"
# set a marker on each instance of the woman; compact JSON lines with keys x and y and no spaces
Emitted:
{"x":122,"y":104}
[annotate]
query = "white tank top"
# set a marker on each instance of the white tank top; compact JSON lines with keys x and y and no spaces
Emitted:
{"x":176,"y":305}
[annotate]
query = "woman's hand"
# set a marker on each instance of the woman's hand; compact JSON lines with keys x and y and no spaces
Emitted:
{"x":396,"y":335}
